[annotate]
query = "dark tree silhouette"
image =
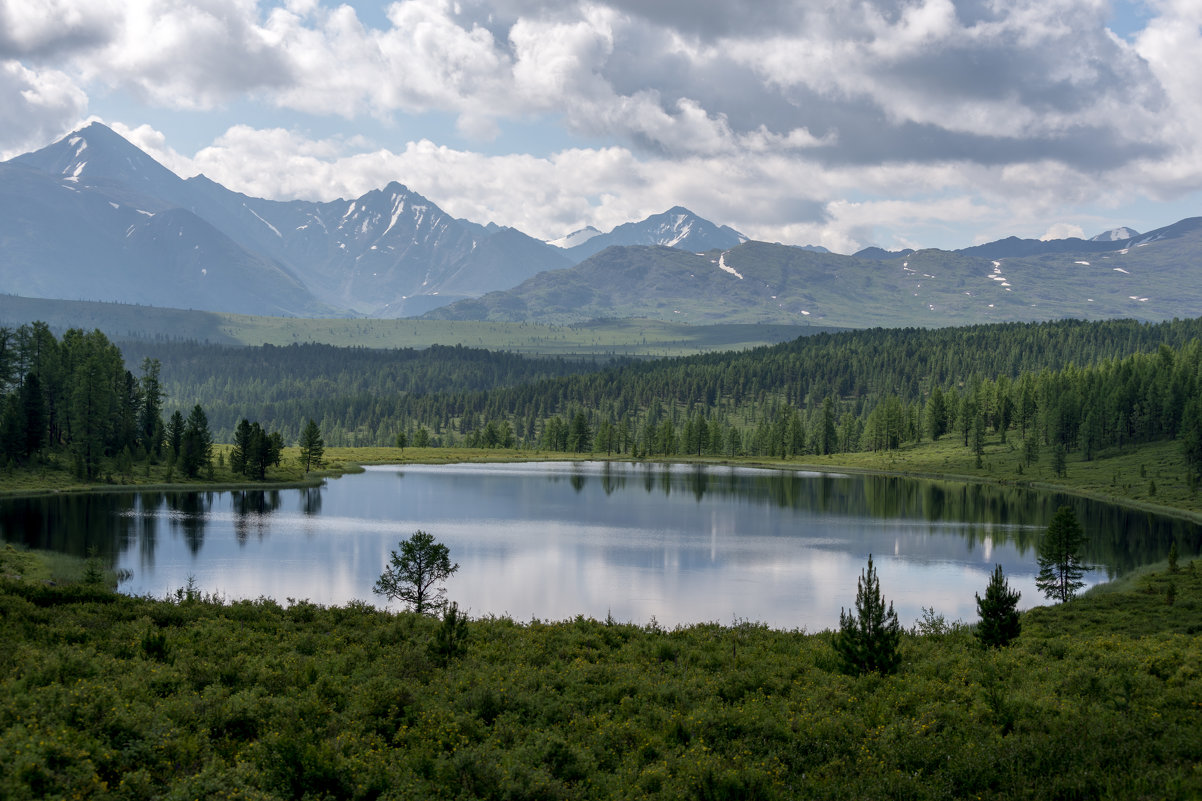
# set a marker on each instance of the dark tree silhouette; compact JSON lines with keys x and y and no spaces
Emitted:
{"x":999,"y":612}
{"x":867,"y":640}
{"x":412,"y":576}
{"x":312,"y":446}
{"x":1060,"y":567}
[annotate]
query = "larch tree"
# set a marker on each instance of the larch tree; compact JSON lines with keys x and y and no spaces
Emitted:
{"x":1060,"y":567}
{"x":312,"y":446}
{"x":413,"y":574}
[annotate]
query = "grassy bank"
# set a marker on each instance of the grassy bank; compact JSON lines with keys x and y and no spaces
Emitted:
{"x":1150,"y":476}
{"x":106,"y":696}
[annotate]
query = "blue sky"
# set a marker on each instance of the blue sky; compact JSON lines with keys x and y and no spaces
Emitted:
{"x":915,"y":123}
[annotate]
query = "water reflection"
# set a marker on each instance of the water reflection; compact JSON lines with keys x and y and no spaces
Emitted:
{"x":681,"y":542}
{"x":252,"y":512}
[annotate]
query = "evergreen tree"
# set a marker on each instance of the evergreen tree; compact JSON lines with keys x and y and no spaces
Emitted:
{"x":1060,"y":567}
{"x":150,"y":415}
{"x":238,"y":454}
{"x":196,"y":443}
{"x":32,"y":413}
{"x":936,"y":414}
{"x":867,"y":641}
{"x":580,"y":437}
{"x":413,"y":575}
{"x":450,"y":638}
{"x":175,"y":432}
{"x":313,"y":447}
{"x":275,"y":448}
{"x":999,"y":612}
{"x":1191,"y":437}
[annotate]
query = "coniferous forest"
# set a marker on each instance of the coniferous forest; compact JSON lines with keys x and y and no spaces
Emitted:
{"x":1057,"y":388}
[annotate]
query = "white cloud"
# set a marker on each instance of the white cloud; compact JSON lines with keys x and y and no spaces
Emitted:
{"x":839,"y":124}
{"x":36,"y":105}
{"x":1063,"y":231}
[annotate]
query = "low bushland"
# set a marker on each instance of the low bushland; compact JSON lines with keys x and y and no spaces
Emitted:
{"x":109,"y":696}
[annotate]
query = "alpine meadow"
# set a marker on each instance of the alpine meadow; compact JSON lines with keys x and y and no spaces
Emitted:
{"x":510,"y":400}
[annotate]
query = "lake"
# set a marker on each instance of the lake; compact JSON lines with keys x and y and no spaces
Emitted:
{"x":552,"y":540}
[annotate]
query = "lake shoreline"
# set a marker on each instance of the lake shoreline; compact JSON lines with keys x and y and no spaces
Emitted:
{"x":350,"y":460}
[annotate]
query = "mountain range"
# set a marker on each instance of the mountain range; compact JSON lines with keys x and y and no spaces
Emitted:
{"x":93,"y":217}
{"x":1155,"y":276}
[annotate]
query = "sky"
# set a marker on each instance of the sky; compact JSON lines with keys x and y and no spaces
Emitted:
{"x":842,"y":123}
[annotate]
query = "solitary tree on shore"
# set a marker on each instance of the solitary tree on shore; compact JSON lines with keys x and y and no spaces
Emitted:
{"x":412,"y":575}
{"x":312,"y":446}
{"x":999,"y":612}
{"x":1060,"y":567}
{"x":867,"y":640}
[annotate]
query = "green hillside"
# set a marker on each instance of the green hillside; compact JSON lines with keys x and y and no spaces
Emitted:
{"x":125,"y":322}
{"x":1157,"y":279}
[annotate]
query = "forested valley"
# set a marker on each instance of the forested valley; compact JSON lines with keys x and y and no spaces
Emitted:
{"x":1055,"y":388}
{"x":1058,"y":387}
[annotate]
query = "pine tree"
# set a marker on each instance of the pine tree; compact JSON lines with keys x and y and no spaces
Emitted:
{"x":867,"y":641}
{"x":999,"y":612}
{"x":413,"y":575}
{"x":238,"y":454}
{"x":313,"y":447}
{"x":1060,"y":567}
{"x":450,"y":638}
{"x":196,"y":445}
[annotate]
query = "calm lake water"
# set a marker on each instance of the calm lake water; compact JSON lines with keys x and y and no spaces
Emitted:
{"x":679,"y":543}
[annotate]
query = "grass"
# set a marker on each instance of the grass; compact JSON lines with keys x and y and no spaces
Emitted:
{"x":649,"y":338}
{"x":1150,"y":476}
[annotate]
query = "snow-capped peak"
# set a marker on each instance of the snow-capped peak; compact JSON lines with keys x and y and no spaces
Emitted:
{"x":575,"y":238}
{"x":1115,"y":235}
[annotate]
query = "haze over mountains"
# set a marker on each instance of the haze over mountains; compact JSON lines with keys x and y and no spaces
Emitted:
{"x":92,"y":217}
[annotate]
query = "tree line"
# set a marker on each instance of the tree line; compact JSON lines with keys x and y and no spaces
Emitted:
{"x":1058,"y":387}
{"x":765,"y":401}
{"x":75,"y":396}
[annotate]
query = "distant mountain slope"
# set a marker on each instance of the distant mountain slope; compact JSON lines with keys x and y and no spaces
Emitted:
{"x":1157,"y":277}
{"x":76,"y":243}
{"x":93,"y":217}
{"x":381,"y":254}
{"x":675,"y":228}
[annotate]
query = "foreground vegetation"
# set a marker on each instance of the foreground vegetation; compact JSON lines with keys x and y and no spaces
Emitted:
{"x":107,"y":696}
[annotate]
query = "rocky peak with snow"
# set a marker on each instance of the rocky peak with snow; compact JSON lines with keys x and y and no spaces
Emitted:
{"x":1115,"y":235}
{"x":675,"y":228}
{"x":575,"y":238}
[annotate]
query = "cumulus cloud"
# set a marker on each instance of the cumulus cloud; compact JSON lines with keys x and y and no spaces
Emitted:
{"x":1063,"y":231}
{"x":48,"y":28}
{"x":833,"y":122}
{"x":36,"y":106}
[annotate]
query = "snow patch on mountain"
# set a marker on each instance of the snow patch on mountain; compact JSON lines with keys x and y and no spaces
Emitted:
{"x":722,"y":265}
{"x":274,"y":230}
{"x":575,"y":238}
